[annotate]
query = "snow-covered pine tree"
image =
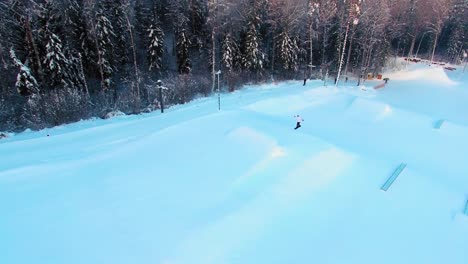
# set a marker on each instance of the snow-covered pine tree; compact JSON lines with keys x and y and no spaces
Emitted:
{"x":104,"y":34}
{"x":23,"y":34}
{"x":179,"y":10}
{"x":78,"y":38}
{"x":288,"y":51}
{"x":56,"y":65}
{"x":76,"y":72}
{"x":115,"y":12}
{"x":26,"y":84}
{"x":253,"y":57}
{"x":49,"y":16}
{"x":229,"y":52}
{"x":183,"y":60}
{"x":156,"y":45}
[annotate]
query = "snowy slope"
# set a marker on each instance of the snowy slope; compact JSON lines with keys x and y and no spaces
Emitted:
{"x":195,"y":185}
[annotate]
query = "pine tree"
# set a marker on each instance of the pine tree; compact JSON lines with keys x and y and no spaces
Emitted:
{"x":229,"y":53}
{"x":115,"y":13}
{"x":183,"y":60}
{"x":104,"y":33}
{"x":57,"y":67}
{"x":288,"y":52}
{"x":26,"y":84}
{"x":49,"y":18}
{"x":179,"y":11}
{"x":78,"y":34}
{"x":20,"y":35}
{"x":253,"y":57}
{"x":156,"y":46}
{"x":56,"y":64}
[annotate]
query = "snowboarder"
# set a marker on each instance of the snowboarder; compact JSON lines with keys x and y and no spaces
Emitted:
{"x":298,"y":120}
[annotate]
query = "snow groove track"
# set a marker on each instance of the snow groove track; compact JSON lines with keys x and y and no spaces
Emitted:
{"x":394,"y":176}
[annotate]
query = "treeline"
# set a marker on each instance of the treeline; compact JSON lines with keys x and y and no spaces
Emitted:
{"x":66,"y":60}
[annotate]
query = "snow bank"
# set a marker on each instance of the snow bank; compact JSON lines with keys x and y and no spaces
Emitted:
{"x":434,"y":74}
{"x":198,"y":185}
{"x":113,"y":114}
{"x":3,"y":135}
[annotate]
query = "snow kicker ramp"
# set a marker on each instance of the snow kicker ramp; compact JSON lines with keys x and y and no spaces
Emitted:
{"x":433,"y":74}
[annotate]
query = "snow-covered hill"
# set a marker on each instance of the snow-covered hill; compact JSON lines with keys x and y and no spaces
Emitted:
{"x":195,"y":185}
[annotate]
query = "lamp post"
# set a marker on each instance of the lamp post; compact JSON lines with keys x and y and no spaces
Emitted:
{"x":219,"y":92}
{"x":464,"y":58}
{"x":419,"y":45}
{"x":161,"y":100}
{"x":355,"y":22}
{"x":325,"y":78}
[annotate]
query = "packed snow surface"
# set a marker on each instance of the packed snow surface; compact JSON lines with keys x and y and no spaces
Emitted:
{"x":240,"y":185}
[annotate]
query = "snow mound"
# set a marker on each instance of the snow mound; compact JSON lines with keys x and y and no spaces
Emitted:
{"x":366,"y":109}
{"x":433,"y":74}
{"x":246,"y":136}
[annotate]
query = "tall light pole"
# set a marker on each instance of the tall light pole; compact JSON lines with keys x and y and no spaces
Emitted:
{"x":219,"y":92}
{"x":355,"y":22}
{"x":161,"y":100}
{"x":420,"y":41}
{"x":464,"y":58}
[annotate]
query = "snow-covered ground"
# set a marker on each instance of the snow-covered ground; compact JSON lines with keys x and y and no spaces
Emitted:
{"x":195,"y":185}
